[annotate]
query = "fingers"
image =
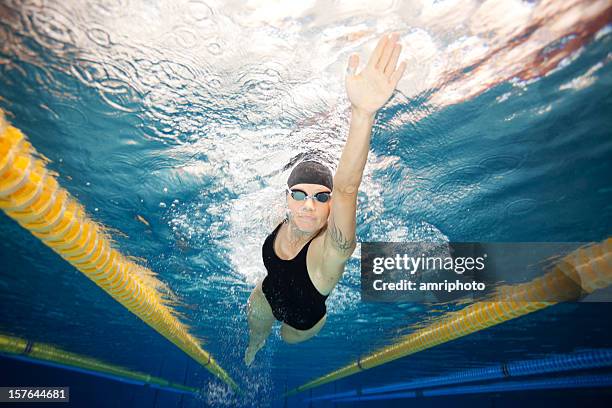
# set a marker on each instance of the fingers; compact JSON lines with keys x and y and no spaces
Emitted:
{"x":390,"y":67}
{"x":376,"y":54}
{"x":384,"y":58}
{"x":397,"y":74}
{"x":353,"y":63}
{"x":386,"y":53}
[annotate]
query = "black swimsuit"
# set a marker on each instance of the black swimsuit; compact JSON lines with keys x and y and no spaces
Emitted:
{"x":288,"y":288}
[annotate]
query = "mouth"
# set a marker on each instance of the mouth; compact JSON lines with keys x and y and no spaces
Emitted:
{"x":304,"y":217}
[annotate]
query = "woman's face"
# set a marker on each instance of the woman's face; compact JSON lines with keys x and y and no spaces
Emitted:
{"x":308,"y":215}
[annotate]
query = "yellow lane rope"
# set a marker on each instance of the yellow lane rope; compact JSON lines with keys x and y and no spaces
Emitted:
{"x":19,"y":347}
{"x":31,"y":195}
{"x":582,"y":271}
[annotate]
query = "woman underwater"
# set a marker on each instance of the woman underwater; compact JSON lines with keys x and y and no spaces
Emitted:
{"x":305,"y":255}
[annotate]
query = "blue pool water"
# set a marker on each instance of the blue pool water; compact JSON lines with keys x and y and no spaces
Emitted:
{"x":180,"y":144}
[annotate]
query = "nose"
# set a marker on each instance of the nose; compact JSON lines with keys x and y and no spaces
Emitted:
{"x":309,"y":203}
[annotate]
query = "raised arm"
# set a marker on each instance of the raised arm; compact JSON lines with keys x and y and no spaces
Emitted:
{"x":368,"y":91}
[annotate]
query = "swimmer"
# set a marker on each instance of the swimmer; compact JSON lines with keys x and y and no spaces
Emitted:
{"x":306,"y":254}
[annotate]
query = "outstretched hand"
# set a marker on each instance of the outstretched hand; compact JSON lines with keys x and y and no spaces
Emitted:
{"x":370,"y":89}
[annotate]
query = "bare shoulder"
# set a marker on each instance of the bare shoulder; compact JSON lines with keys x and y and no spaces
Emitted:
{"x":324,"y":275}
{"x":315,"y":252}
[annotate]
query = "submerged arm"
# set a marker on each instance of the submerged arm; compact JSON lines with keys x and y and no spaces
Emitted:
{"x":368,"y":91}
{"x":340,"y":240}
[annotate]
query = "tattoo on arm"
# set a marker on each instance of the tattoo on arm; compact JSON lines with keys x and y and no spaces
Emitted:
{"x":342,"y":243}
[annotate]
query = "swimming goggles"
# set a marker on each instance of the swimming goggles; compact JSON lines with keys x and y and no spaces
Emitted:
{"x":299,"y":195}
